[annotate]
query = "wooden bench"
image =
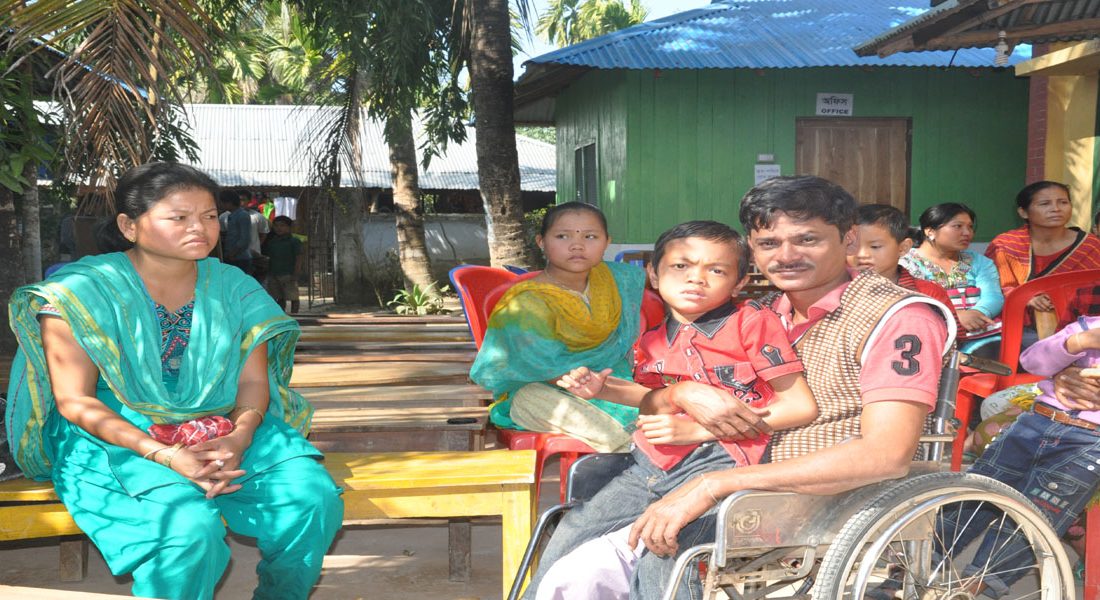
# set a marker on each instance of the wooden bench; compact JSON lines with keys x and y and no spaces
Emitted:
{"x":396,"y":485}
{"x":397,"y":373}
{"x":374,"y":429}
{"x":387,"y":333}
{"x":398,"y":418}
{"x":376,"y":319}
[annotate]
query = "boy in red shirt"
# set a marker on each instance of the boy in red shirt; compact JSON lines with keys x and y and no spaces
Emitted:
{"x":884,"y":238}
{"x":698,"y":267}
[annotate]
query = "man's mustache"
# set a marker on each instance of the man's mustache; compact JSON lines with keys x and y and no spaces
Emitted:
{"x":789,"y":266}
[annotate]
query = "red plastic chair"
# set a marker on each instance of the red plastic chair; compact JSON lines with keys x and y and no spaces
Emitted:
{"x":479,"y":289}
{"x":1061,"y":288}
{"x":475,"y":283}
{"x":1092,"y":553}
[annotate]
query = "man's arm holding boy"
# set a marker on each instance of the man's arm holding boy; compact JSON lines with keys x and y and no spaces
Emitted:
{"x":908,"y":354}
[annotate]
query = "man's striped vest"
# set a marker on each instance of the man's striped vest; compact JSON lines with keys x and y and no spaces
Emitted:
{"x":831,"y":351}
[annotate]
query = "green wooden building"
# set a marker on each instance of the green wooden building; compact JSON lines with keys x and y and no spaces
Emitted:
{"x":675,"y":119}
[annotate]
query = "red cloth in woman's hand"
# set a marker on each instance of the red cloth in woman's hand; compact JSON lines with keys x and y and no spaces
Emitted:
{"x":192,"y":432}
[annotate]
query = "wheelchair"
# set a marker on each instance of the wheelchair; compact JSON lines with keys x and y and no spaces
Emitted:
{"x":893,"y":539}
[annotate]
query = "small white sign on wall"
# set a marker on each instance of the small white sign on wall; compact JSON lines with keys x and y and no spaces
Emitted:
{"x":764,"y":172}
{"x":834,"y":105}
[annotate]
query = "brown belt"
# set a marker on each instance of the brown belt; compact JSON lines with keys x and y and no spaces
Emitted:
{"x":1063,"y":417}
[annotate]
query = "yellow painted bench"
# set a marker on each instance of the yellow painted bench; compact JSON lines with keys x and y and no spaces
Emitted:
{"x":386,"y":485}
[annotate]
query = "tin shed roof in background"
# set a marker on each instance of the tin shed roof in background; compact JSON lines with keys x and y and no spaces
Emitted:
{"x":762,"y":34}
{"x":251,"y":145}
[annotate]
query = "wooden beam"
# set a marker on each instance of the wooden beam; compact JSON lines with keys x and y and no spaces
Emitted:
{"x":984,"y":17}
{"x":1082,"y":28}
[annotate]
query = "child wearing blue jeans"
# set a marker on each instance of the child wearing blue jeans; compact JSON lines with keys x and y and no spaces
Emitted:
{"x":1051,"y":455}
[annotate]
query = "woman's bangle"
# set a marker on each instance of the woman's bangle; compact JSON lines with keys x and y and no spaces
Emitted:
{"x":152,"y":454}
{"x":244,"y":409}
{"x":175,"y":450}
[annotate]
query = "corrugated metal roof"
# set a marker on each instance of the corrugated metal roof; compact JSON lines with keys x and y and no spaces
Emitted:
{"x":763,"y":34}
{"x":1026,"y":22}
{"x":249,"y":145}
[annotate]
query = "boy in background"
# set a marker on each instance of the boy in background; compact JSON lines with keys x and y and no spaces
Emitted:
{"x":883,"y":239}
{"x":698,"y":268}
{"x":285,"y":254}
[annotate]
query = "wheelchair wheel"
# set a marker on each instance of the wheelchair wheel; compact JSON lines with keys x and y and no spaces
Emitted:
{"x":908,"y":544}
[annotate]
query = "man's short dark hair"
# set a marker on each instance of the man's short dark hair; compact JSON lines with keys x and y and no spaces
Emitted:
{"x":708,"y":230}
{"x":283,"y":219}
{"x":801,"y":198}
{"x":229,"y":197}
{"x":883,"y":215}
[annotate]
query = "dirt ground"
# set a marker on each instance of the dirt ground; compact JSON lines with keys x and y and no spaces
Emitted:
{"x":368,"y":562}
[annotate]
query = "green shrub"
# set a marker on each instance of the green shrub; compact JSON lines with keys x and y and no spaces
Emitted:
{"x":427,"y":301}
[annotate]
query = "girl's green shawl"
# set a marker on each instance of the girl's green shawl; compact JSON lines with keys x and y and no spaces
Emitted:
{"x":524,"y":340}
{"x":111,"y":315}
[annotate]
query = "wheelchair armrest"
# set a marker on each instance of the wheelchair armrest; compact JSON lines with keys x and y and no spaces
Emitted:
{"x":753,"y":521}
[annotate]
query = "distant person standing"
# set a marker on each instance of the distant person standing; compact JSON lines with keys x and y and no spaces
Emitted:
{"x":237,"y":231}
{"x":284,"y":253}
{"x":66,"y":238}
{"x":260,"y":227}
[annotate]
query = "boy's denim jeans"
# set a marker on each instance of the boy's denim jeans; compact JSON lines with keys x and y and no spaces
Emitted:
{"x":1055,"y":466}
{"x":621,"y":502}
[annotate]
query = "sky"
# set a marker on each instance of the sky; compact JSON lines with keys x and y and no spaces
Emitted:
{"x":657,"y":9}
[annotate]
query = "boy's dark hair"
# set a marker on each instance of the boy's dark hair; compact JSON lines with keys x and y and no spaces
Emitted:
{"x":801,"y":198}
{"x":555,"y":212}
{"x":885,"y":216}
{"x":708,"y":230}
{"x":1026,"y":195}
{"x":283,"y":219}
{"x":229,"y":197}
{"x":1096,"y":219}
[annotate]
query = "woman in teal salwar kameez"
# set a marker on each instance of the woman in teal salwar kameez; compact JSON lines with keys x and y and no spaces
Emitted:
{"x":158,"y":334}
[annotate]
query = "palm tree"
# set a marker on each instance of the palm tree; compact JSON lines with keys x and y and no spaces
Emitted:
{"x":490,"y":62}
{"x":114,"y":86}
{"x":570,"y":21}
{"x":23,"y":146}
{"x":397,"y":57}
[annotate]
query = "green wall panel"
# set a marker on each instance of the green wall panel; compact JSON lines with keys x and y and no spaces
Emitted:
{"x":679,"y":145}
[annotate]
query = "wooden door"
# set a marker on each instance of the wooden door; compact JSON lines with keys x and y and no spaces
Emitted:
{"x":868,"y":157}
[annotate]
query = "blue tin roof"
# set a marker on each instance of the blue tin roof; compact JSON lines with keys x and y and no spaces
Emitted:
{"x":764,"y":34}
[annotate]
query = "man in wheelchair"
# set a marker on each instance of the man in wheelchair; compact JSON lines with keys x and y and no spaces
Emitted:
{"x":872,"y":353}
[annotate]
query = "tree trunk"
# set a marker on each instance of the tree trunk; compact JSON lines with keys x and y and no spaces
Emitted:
{"x":10,"y":278}
{"x":497,"y":160}
{"x":32,"y":225}
{"x":352,"y":286}
{"x":412,"y":251}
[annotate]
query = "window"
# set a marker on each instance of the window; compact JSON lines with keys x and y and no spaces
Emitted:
{"x":584,"y":174}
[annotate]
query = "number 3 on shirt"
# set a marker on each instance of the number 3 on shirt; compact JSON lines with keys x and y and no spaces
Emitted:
{"x":910,"y":346}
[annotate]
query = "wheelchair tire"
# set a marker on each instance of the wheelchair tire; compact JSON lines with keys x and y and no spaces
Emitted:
{"x":889,"y":549}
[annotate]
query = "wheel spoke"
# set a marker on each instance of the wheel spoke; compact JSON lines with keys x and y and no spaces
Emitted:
{"x":933,"y":543}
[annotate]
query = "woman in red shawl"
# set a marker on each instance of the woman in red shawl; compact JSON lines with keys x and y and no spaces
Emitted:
{"x":1044,"y":245}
